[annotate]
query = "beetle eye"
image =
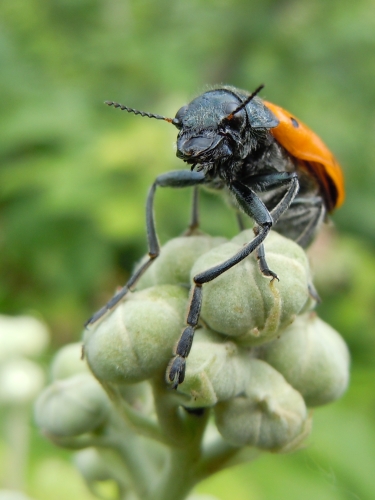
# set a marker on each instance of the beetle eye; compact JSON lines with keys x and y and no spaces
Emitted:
{"x":229,"y":107}
{"x":179,"y":116}
{"x":235,"y":120}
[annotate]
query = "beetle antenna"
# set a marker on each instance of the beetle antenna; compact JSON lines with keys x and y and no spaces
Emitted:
{"x":137,"y":112}
{"x":244,"y":103}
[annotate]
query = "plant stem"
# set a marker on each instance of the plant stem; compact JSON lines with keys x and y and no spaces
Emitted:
{"x":186,"y":431}
{"x":136,"y":420}
{"x":178,"y":477}
{"x":181,"y":427}
{"x":135,"y":458}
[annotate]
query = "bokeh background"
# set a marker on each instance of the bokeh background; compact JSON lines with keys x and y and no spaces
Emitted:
{"x":75,"y":173}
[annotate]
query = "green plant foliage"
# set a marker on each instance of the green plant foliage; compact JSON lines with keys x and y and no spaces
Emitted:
{"x":74,"y":174}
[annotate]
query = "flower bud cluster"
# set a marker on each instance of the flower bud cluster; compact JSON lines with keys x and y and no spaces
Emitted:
{"x":260,"y":358}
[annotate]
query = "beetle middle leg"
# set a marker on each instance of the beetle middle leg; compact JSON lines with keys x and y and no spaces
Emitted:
{"x":194,"y":215}
{"x":176,"y":179}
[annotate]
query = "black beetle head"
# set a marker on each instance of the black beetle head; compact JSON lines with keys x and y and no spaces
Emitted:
{"x":205,"y":135}
{"x":217,"y":126}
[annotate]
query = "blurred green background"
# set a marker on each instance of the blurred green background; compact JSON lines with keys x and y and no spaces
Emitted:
{"x":75,"y":173}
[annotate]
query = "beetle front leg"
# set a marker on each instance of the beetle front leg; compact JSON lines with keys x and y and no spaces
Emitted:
{"x":177,"y":366}
{"x":258,"y":211}
{"x":176,"y":179}
{"x":253,"y":206}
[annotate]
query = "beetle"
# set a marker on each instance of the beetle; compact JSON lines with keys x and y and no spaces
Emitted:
{"x":276,"y":170}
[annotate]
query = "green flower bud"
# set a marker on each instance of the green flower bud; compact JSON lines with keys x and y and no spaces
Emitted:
{"x":217,"y":369}
{"x":72,"y":406}
{"x":136,"y":340}
{"x":176,"y":259}
{"x":269,"y":415}
{"x":68,"y":362}
{"x":138,"y":395}
{"x":313,"y":358}
{"x":242,"y":302}
{"x":91,"y":465}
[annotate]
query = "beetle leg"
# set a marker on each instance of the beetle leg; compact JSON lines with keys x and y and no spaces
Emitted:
{"x":256,"y":209}
{"x":263,"y":266}
{"x":301,"y":222}
{"x":176,"y":179}
{"x":261,"y":256}
{"x":268,"y":182}
{"x":194,"y":217}
{"x":309,"y":231}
